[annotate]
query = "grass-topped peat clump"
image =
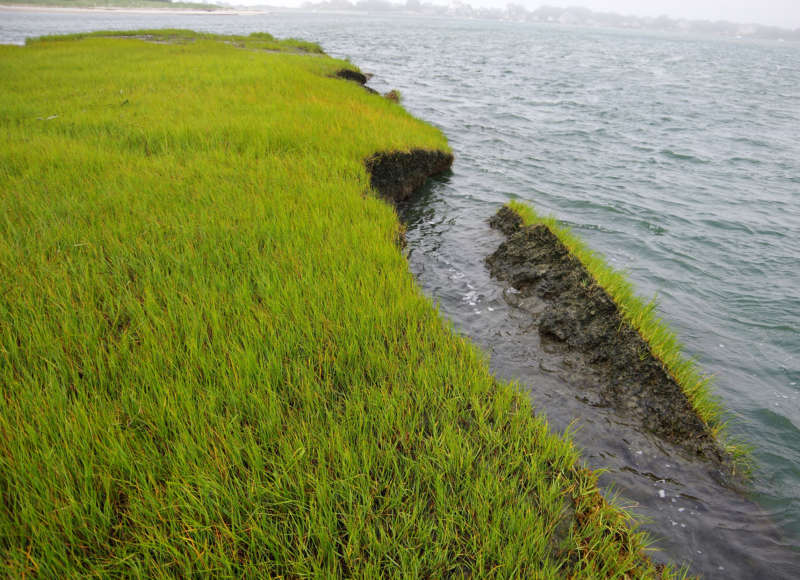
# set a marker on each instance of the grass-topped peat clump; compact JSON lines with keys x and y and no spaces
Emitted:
{"x":213,"y":358}
{"x":630,"y":357}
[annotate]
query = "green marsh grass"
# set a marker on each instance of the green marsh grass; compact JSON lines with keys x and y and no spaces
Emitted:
{"x":663,"y":342}
{"x":255,"y":40}
{"x":213,"y":358}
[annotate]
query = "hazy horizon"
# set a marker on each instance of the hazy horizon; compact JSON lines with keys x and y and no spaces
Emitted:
{"x":783,"y":13}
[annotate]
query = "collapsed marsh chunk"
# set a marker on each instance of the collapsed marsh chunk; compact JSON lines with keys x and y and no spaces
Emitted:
{"x":581,"y":319}
{"x":351,"y":75}
{"x":356,"y":77}
{"x":396,"y":175}
{"x":393,"y":95}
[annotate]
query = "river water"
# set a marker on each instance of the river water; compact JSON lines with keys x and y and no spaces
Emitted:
{"x":676,"y":157}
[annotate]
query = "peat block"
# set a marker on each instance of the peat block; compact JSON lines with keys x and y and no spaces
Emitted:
{"x":580,"y":317}
{"x":396,"y":175}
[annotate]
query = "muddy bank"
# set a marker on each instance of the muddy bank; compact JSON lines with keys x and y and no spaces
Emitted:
{"x":396,"y":175}
{"x":577,"y":321}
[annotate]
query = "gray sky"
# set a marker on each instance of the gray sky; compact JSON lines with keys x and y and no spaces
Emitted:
{"x":785,"y":13}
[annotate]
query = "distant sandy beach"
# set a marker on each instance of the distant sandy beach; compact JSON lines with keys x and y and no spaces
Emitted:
{"x":71,"y":9}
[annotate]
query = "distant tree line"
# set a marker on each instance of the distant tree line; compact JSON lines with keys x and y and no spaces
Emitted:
{"x":574,"y":15}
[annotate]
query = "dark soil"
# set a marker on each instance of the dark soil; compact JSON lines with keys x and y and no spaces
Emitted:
{"x":356,"y":77}
{"x":396,"y":175}
{"x":351,"y":75}
{"x":576,"y":318}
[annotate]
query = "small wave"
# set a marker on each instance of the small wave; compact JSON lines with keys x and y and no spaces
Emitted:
{"x":751,"y":141}
{"x":747,"y":160}
{"x":675,"y":60}
{"x":757,"y":323}
{"x":513,"y":117}
{"x":727,"y":225}
{"x":655,"y":229}
{"x":683,"y":156}
{"x":777,"y":425}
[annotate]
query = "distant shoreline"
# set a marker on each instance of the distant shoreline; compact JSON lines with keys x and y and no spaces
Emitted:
{"x":122,"y":9}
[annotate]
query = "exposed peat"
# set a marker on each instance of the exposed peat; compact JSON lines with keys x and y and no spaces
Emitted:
{"x":576,"y":319}
{"x":397,"y":174}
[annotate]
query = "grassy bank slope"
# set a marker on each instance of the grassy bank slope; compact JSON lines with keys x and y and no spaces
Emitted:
{"x":213,"y":357}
